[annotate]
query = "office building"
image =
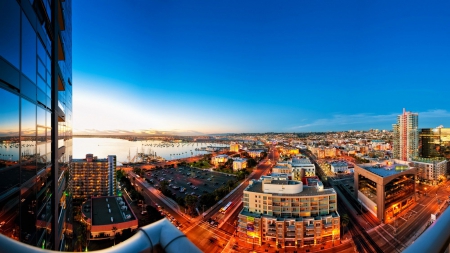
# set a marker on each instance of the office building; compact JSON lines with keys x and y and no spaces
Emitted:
{"x":385,"y":188}
{"x":92,"y":177}
{"x":434,"y":142}
{"x":406,"y":136}
{"x":108,"y":216}
{"x":36,"y":121}
{"x":284,"y":212}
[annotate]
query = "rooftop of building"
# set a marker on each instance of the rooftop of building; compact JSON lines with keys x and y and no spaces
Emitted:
{"x":220,"y":156}
{"x":306,"y":180}
{"x":339,"y":163}
{"x":90,"y":158}
{"x":101,"y":209}
{"x":312,"y":181}
{"x":256,"y":186}
{"x":429,"y":160}
{"x":301,"y":160}
{"x":386,"y":168}
{"x":251,"y":214}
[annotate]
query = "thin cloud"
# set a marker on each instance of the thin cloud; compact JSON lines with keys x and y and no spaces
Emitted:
{"x":137,"y":132}
{"x":341,"y":119}
{"x":368,"y":119}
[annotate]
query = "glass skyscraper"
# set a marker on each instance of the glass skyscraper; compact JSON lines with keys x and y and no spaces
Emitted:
{"x":36,"y":121}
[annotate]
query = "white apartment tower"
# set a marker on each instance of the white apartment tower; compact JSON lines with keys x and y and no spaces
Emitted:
{"x":406,"y":136}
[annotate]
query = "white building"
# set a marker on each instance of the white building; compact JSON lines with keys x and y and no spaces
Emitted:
{"x":429,"y":168}
{"x":297,"y":167}
{"x":239,"y":164}
{"x":302,"y":166}
{"x":339,"y":167}
{"x":219,"y":159}
{"x":255,"y":153}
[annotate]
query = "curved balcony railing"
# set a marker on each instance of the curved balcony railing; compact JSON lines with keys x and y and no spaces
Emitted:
{"x":161,"y":234}
{"x":435,"y":239}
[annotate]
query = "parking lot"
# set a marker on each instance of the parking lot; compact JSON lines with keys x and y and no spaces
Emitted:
{"x":187,"y":180}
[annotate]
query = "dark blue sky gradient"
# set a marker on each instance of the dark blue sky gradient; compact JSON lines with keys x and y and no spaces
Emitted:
{"x":254,"y":66}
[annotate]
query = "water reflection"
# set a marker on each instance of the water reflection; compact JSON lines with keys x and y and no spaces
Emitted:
{"x":28,"y":130}
{"x":9,"y":129}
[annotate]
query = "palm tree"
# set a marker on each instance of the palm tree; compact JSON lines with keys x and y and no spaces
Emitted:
{"x":114,"y":229}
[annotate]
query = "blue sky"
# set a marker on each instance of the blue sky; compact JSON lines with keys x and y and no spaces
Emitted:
{"x":257,"y":66}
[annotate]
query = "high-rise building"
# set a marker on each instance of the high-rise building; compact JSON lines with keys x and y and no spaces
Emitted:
{"x":35,"y":121}
{"x":92,"y":177}
{"x":434,"y":142}
{"x":406,"y":136}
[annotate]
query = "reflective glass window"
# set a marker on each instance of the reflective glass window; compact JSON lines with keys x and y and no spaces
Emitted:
{"x":9,"y":129}
{"x":9,"y":204}
{"x":42,"y":53}
{"x":28,"y":210}
{"x":41,"y":69}
{"x":41,"y":116}
{"x":28,"y":88}
{"x":28,"y":49}
{"x":41,"y":84}
{"x":49,"y":79}
{"x":49,"y":119}
{"x":10,"y":31}
{"x":42,"y":97}
{"x":28,"y":130}
{"x":49,"y":91}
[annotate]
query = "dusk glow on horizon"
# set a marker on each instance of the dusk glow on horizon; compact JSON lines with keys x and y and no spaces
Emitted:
{"x":220,"y":67}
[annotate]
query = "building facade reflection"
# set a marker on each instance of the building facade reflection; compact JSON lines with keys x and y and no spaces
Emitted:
{"x":35,"y":113}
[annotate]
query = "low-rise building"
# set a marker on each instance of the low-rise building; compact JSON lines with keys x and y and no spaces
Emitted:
{"x":298,"y":167}
{"x":289,"y":151}
{"x":385,"y":188}
{"x":219,"y":159}
{"x":239,"y":164}
{"x":255,"y":153}
{"x":302,"y":166}
{"x":284,"y":212}
{"x":324,"y":152}
{"x":430,"y":169}
{"x":339,"y":167}
{"x":234,"y":147}
{"x":107,"y":216}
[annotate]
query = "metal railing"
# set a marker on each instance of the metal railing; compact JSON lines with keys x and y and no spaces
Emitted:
{"x":161,"y":234}
{"x":435,"y":239}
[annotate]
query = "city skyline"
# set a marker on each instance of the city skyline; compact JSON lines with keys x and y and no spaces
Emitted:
{"x":190,"y":69}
